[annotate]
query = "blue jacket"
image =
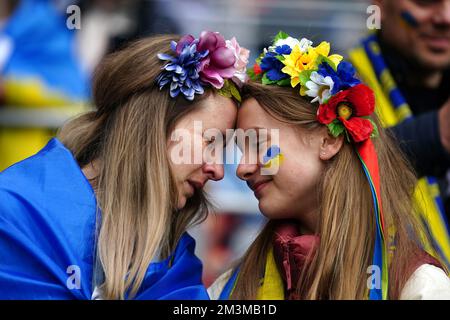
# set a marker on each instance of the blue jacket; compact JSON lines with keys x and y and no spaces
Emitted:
{"x":47,"y":236}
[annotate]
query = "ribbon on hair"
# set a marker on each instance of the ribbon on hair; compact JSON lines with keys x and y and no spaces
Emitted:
{"x":369,"y":160}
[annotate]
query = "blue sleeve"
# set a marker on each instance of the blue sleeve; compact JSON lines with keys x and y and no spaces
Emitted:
{"x":420,"y":140}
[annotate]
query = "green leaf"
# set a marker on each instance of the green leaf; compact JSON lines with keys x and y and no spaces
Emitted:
{"x":325,"y":101}
{"x":280,"y":35}
{"x":284,"y":82}
{"x":225,"y":90}
{"x":336,"y":128}
{"x":321,"y":59}
{"x":225,"y":93}
{"x":235,"y":92}
{"x":266,"y":80}
{"x":251,"y":74}
{"x":280,"y":58}
{"x":229,"y":90}
{"x":348,"y":136}
{"x":261,"y":56}
{"x":375,"y":133}
{"x":304,"y":76}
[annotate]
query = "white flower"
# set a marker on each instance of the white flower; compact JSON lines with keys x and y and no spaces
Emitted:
{"x":304,"y":44}
{"x":319,"y":87}
{"x":291,"y":42}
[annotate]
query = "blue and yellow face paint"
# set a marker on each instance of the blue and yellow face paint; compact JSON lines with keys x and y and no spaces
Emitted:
{"x":273,"y":158}
{"x":408,"y":20}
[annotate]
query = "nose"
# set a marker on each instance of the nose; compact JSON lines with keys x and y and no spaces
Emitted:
{"x":244,"y":170}
{"x":442,"y":14}
{"x":213,"y":171}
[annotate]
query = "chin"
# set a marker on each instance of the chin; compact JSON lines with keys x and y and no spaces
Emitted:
{"x":181,"y":202}
{"x":269,"y":209}
{"x":434,"y":61}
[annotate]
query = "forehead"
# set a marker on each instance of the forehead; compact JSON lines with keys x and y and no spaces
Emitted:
{"x":252,"y":115}
{"x":215,"y":111}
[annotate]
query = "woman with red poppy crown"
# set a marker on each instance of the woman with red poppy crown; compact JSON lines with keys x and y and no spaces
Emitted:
{"x":341,"y":222}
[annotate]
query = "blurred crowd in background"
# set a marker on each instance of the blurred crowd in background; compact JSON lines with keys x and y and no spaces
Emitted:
{"x":46,"y":67}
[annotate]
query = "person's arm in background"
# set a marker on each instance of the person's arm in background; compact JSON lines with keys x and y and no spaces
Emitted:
{"x":426,"y":141}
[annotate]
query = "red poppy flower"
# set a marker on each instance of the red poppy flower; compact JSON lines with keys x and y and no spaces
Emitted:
{"x":257,"y":69}
{"x":349,"y":106}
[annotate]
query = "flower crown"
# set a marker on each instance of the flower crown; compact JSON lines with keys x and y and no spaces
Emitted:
{"x":345,"y":103}
{"x":208,"y":60}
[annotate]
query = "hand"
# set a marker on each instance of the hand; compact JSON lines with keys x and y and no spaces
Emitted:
{"x":444,"y":125}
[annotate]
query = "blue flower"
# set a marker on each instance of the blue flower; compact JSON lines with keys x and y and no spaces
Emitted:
{"x":343,"y":78}
{"x":182,"y":71}
{"x":272,"y":66}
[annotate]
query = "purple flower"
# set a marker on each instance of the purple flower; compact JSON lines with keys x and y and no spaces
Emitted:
{"x":219,"y":64}
{"x":272,"y":66}
{"x":343,"y":78}
{"x":184,"y":41}
{"x":182,"y":71}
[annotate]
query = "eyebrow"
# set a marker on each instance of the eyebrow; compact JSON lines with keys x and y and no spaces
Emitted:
{"x":257,"y":129}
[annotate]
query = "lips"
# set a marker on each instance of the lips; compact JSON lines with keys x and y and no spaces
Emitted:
{"x":257,"y":187}
{"x":437,"y":42}
{"x":197,"y":184}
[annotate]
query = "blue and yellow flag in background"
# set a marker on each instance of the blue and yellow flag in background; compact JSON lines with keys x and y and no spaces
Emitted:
{"x":38,"y":69}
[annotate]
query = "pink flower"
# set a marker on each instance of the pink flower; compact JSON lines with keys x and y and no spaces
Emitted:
{"x":241,"y":55}
{"x":219,"y":64}
{"x":184,"y":41}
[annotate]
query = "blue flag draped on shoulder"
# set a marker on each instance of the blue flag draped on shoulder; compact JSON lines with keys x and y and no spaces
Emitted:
{"x":47,"y":236}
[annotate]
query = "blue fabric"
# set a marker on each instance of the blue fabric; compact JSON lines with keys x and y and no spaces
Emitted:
{"x":47,"y":223}
{"x":43,"y":49}
{"x":377,"y":259}
{"x":229,"y":286}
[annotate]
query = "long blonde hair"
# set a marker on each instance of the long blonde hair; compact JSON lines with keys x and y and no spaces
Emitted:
{"x":135,"y":189}
{"x":346,"y":222}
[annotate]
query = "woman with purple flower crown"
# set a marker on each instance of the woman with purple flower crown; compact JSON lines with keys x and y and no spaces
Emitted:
{"x":338,"y":196}
{"x":102,"y":211}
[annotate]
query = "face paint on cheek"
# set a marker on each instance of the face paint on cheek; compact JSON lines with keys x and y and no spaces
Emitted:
{"x":409,"y":21}
{"x":273,"y":157}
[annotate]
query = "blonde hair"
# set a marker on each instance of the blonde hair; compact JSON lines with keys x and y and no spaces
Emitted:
{"x":346,"y":221}
{"x":135,"y":190}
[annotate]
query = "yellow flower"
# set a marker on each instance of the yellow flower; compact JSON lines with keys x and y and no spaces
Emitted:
{"x":299,"y":61}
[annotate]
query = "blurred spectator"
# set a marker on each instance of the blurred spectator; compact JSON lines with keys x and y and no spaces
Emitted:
{"x":407,"y":63}
{"x":109,"y":24}
{"x":6,"y":8}
{"x":39,"y":69}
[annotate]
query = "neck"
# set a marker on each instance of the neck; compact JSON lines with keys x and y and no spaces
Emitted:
{"x":308,"y":222}
{"x":430,"y":80}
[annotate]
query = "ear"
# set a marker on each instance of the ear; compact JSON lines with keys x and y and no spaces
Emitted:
{"x":378,"y":2}
{"x":330,"y":145}
{"x":383,"y":5}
